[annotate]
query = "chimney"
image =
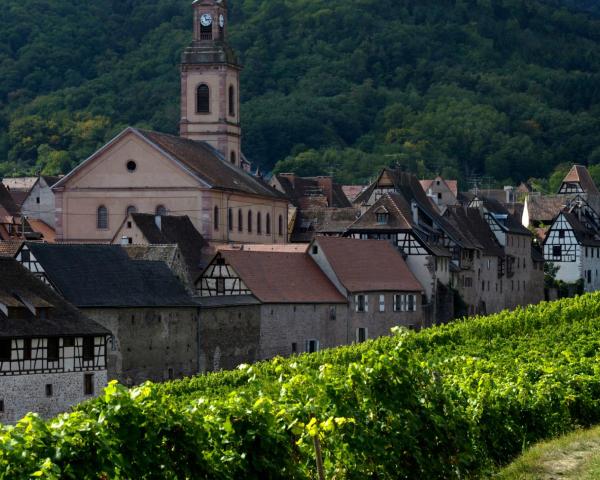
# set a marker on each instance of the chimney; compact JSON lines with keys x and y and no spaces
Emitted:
{"x":158,"y":222}
{"x":510,"y":194}
{"x":326,"y":184}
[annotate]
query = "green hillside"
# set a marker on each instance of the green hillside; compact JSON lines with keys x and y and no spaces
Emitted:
{"x":449,"y":402}
{"x":504,"y":88}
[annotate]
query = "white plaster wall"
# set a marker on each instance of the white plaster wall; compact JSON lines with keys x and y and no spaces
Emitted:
{"x":593,"y":264}
{"x":419,"y":266}
{"x":44,"y":210}
{"x":569,"y":272}
{"x":27,"y":393}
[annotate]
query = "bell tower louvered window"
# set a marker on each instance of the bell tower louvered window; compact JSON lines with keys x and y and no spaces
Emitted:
{"x":203,"y":99}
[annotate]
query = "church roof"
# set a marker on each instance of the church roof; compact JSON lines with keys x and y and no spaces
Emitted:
{"x":375,"y":266}
{"x":208,"y":164}
{"x":580,"y":174}
{"x":200,"y":159}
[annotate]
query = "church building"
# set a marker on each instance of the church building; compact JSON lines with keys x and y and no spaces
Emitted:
{"x":202,"y":173}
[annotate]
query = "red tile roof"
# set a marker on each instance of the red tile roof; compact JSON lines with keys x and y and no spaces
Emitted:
{"x":580,"y":174}
{"x":280,"y":277}
{"x":368,"y":265}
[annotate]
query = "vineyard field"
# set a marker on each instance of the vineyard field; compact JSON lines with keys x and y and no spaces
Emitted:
{"x":456,"y":401}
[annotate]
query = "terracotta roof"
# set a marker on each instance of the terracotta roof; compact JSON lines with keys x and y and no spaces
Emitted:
{"x":174,"y":230}
{"x":311,"y":191}
{"x":544,"y":208}
{"x":316,"y":221}
{"x":20,"y":183}
{"x":61,"y":319}
{"x":451,"y":184}
{"x":352,"y":191}
{"x":208,"y":164}
{"x":368,"y":265}
{"x":10,"y":248}
{"x":279,"y":277}
{"x":580,"y":174}
{"x":267,"y":247}
{"x":38,"y":226}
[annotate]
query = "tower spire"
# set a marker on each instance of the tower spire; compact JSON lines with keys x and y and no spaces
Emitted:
{"x":210,"y":83}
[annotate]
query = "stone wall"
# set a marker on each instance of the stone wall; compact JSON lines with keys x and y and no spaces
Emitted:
{"x":149,"y":343}
{"x":27,"y":393}
{"x":229,"y":336}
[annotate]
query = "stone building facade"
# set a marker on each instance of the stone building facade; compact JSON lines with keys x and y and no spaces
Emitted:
{"x":51,"y":355}
{"x":153,"y":320}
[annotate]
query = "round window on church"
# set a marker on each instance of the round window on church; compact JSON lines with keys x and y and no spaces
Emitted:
{"x":131,"y":166}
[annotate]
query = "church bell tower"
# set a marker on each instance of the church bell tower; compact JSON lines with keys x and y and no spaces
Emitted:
{"x":210,"y":83}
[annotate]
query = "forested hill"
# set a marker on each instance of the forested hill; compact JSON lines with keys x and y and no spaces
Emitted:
{"x":504,"y":88}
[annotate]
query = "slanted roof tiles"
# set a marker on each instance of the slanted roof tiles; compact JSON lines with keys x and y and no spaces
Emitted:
{"x":368,"y":265}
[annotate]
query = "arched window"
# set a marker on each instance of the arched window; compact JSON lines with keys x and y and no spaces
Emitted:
{"x":102,"y":217}
{"x":203,"y":99}
{"x":268,"y":224}
{"x":216,"y":218}
{"x":258,"y":223}
{"x":230,"y":219}
{"x":280,"y":225}
{"x":240,"y":220}
{"x":231,"y":101}
{"x":161,"y":210}
{"x":249,"y":221}
{"x":131,"y":209}
{"x":233,"y":158}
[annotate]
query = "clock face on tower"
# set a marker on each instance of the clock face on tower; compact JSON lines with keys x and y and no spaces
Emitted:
{"x":221,"y":21}
{"x":206,"y":20}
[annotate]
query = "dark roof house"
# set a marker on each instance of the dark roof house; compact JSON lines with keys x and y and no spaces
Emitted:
{"x":20,"y":289}
{"x":105,"y":276}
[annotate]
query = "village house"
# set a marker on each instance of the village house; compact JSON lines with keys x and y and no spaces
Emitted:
{"x":396,"y":209}
{"x":573,"y":244}
{"x":201,"y":173}
{"x":521,"y":270}
{"x":34,"y":196}
{"x":187,"y":259}
{"x":153,"y":321}
{"x":444,"y":193}
{"x":257,"y":304}
{"x":51,"y":355}
{"x":284,"y":305}
{"x":381,"y":290}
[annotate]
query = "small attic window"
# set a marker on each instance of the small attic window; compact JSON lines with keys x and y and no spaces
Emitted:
{"x":131,"y":166}
{"x":382,"y":216}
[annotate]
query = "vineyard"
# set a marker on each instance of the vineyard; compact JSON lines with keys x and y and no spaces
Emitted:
{"x":451,"y":402}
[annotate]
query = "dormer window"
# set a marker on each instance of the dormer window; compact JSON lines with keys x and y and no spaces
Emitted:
{"x":383,"y":216}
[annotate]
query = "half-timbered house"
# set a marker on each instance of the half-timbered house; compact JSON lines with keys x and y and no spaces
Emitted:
{"x":51,"y":355}
{"x":396,"y":208}
{"x":521,"y":273}
{"x":258,"y":304}
{"x":153,"y":320}
{"x":573,"y":244}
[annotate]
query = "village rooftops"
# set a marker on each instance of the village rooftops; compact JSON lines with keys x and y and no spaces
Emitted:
{"x":366,"y":265}
{"x":507,"y":222}
{"x":41,"y":311}
{"x":306,"y":192}
{"x":544,"y":208}
{"x":579,"y":175}
{"x":177,"y":230}
{"x":281,"y":277}
{"x":104,"y":276}
{"x":472,"y":230}
{"x":451,"y":184}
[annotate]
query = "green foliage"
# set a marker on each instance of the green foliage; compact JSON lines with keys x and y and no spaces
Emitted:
{"x":448,"y":402}
{"x":498,"y":87}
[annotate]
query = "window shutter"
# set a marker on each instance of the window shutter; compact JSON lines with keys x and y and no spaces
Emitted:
{"x":356,"y":303}
{"x":366,"y":303}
